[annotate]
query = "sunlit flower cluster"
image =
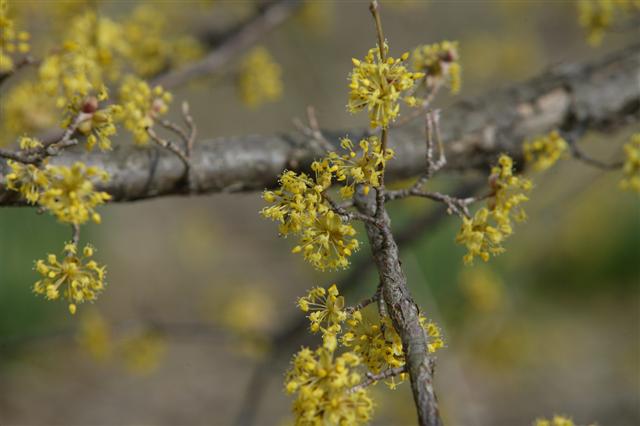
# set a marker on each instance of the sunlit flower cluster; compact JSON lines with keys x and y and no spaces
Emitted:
{"x":631,"y":166}
{"x":366,"y":168}
{"x":141,"y":106}
{"x":379,"y":345}
{"x":597,"y":16}
{"x":70,"y":194}
{"x":326,"y":241}
{"x":67,"y":192}
{"x":12,"y":41}
{"x":378,"y":86}
{"x":440,"y":62}
{"x":259,"y":78}
{"x":323,"y":381}
{"x":25,"y":109}
{"x":327,"y":313}
{"x":484,"y":232}
{"x":149,"y":50}
{"x":545,"y":151}
{"x":75,"y":277}
{"x":555,"y":421}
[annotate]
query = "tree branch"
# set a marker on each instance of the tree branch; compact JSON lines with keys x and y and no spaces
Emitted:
{"x":598,"y":96}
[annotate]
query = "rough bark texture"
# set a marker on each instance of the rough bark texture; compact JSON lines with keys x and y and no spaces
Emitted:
{"x":577,"y":97}
{"x":403,"y":312}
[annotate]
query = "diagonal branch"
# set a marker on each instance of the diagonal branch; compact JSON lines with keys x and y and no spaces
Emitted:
{"x":595,"y":96}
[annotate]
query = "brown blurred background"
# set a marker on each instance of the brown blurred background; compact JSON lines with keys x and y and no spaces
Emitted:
{"x":551,"y":326}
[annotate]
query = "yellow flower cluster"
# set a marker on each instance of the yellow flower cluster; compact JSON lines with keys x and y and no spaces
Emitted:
{"x":555,"y":421}
{"x":141,"y":106}
{"x":25,"y":109}
{"x":70,"y":194}
{"x":143,"y":352}
{"x":149,"y":50}
{"x":67,"y":192}
{"x":323,"y":383}
{"x":78,"y":277}
{"x":631,"y":166}
{"x":327,"y":313}
{"x":596,"y":16}
{"x":378,"y":86}
{"x":11,"y":41}
{"x":545,"y":151}
{"x":484,"y":233}
{"x":100,"y":126}
{"x":94,"y":335}
{"x":440,"y":62}
{"x":301,"y":209}
{"x":78,"y":69}
{"x":379,"y":345}
{"x":259,"y":78}
{"x":365,"y":169}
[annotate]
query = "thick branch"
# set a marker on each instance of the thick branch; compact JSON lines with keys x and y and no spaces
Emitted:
{"x":598,"y":96}
{"x":403,"y":311}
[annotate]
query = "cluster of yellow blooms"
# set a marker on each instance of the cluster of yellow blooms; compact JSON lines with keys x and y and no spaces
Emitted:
{"x":597,"y":16}
{"x":259,"y":78}
{"x":301,"y":207}
{"x":149,"y":50}
{"x":440,"y":62}
{"x":631,"y":166}
{"x":11,"y":41}
{"x":141,"y":106}
{"x":378,"y":86}
{"x":484,"y":232}
{"x":70,"y":194}
{"x":25,"y":109}
{"x":140,"y":350}
{"x":365,"y":169}
{"x":545,"y":151}
{"x":555,"y":421}
{"x":327,"y":384}
{"x":67,"y":192}
{"x":379,"y":346}
{"x":81,"y":279}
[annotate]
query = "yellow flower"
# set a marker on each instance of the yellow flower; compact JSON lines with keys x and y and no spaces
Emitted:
{"x":484,"y":233}
{"x":545,"y":151}
{"x":440,"y":62}
{"x":379,"y":346}
{"x":75,"y":277}
{"x":364,"y":169}
{"x":70,"y":194}
{"x":149,"y":48}
{"x":301,"y":209}
{"x":327,"y":309}
{"x":27,"y":179}
{"x":556,"y":421}
{"x":11,"y":41}
{"x":25,"y":109}
{"x":259,"y":78}
{"x":378,"y":86}
{"x":597,"y":16}
{"x":144,"y":352}
{"x":141,"y":106}
{"x":95,"y":336}
{"x":322,"y":383}
{"x":631,"y":166}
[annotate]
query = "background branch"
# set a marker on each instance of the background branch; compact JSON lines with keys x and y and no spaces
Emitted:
{"x":596,"y":96}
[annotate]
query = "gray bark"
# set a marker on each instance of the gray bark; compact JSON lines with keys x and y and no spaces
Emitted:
{"x":599,"y":95}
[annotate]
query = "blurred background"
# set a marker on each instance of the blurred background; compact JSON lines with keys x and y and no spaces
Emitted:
{"x":197,"y":285}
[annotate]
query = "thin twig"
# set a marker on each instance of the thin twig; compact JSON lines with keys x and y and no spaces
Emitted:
{"x":349,"y":215}
{"x":366,"y":302}
{"x":373,"y":378}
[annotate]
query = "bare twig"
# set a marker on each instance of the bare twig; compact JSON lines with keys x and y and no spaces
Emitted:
{"x":366,"y":302}
{"x":350,"y":215}
{"x":373,"y":378}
